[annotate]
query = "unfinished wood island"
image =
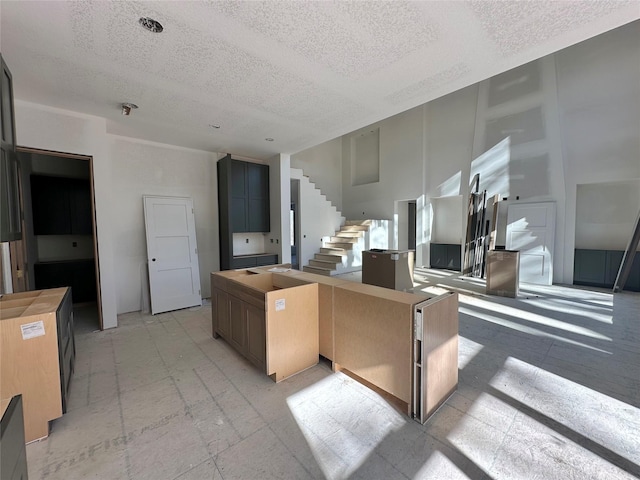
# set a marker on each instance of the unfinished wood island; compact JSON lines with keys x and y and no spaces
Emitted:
{"x":403,"y":345}
{"x":37,"y":354}
{"x":275,"y":328}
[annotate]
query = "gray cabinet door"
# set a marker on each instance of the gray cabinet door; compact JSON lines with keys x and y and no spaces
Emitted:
{"x":10,"y":218}
{"x":589,"y":267}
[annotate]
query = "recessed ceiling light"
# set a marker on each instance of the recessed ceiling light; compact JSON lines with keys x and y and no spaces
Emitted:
{"x":127,"y":107}
{"x":213,"y":125}
{"x":269,"y":139}
{"x":151,"y":24}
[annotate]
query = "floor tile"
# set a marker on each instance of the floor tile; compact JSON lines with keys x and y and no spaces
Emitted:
{"x":547,"y":389}
{"x":260,"y":456}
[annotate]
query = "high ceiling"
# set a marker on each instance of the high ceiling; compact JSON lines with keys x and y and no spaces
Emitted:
{"x":298,"y":72}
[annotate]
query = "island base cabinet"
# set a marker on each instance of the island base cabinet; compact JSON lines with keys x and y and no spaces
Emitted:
{"x":37,"y":352}
{"x":274,"y":328}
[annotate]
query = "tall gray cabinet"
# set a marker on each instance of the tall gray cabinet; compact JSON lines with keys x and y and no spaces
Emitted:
{"x":10,"y":217}
{"x":243,"y":203}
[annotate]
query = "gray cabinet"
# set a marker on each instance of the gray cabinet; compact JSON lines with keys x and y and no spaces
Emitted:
{"x":10,"y":217}
{"x":66,"y":346}
{"x":80,"y":275}
{"x":61,"y":206}
{"x":599,"y":268}
{"x":13,"y":452}
{"x":445,"y":255}
{"x":249,"y":197}
{"x":243,"y":204}
{"x":253,"y":261}
{"x":10,"y":213}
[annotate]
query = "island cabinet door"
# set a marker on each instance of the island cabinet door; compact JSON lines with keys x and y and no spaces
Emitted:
{"x":238,"y":324}
{"x":256,"y":336}
{"x":221,"y":320}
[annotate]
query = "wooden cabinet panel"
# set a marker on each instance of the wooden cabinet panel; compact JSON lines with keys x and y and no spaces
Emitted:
{"x":256,"y":335}
{"x":221,"y":319}
{"x":238,"y":325}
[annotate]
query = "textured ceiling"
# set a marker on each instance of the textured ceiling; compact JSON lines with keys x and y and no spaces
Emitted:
{"x":297,"y":71}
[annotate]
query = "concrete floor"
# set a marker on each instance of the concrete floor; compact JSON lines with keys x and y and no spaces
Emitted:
{"x":549,"y":388}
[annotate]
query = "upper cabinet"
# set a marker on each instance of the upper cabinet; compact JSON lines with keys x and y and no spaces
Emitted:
{"x":243,"y":202}
{"x":10,"y":212}
{"x":249,"y":197}
{"x":8,"y":124}
{"x":61,"y":206}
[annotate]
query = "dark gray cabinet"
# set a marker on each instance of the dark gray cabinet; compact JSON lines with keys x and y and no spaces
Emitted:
{"x":445,"y":255}
{"x":61,"y":206}
{"x":66,"y":346}
{"x":243,"y":204}
{"x":249,"y":197}
{"x":13,"y":452}
{"x":10,"y":212}
{"x":80,"y":275}
{"x":253,"y":261}
{"x":599,"y":268}
{"x":10,"y":216}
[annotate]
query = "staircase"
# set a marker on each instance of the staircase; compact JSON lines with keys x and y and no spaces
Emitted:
{"x":342,"y":252}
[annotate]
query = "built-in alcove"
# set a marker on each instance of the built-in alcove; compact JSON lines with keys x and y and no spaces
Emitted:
{"x":446,"y":232}
{"x":365,"y":152}
{"x":605,"y":218}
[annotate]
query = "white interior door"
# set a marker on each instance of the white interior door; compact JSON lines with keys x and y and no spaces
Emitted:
{"x":531,"y":229}
{"x":172,"y":254}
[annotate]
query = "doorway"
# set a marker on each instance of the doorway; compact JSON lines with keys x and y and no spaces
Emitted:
{"x":531,"y":230}
{"x":294,"y":222}
{"x":59,"y":229}
{"x":411,"y":225}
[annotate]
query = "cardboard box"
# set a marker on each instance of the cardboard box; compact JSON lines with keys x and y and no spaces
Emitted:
{"x":503,"y":271}
{"x":388,"y":268}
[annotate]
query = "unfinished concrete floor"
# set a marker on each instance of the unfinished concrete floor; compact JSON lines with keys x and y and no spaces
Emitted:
{"x":549,"y":388}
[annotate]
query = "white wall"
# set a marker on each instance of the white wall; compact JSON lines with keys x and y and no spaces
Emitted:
{"x":323,"y":165}
{"x":125,"y":169}
{"x":606,"y":214}
{"x":146,"y":168}
{"x":590,"y":100}
{"x":401,"y":153}
{"x":46,"y":128}
{"x":599,"y":102}
{"x":277,"y":240}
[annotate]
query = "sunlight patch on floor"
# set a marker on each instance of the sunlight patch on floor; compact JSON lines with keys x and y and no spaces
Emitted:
{"x":521,"y":314}
{"x":342,"y":422}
